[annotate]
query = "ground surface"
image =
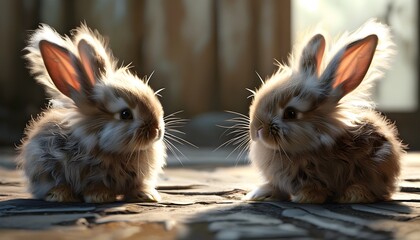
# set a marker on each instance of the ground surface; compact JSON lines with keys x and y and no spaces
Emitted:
{"x":203,"y":202}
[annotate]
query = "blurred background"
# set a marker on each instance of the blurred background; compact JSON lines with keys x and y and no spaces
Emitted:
{"x":205,"y":53}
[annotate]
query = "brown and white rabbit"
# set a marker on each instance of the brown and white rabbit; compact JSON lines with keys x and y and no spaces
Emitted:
{"x":102,"y":135}
{"x":315,"y":135}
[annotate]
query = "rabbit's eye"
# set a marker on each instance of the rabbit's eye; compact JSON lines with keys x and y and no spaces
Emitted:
{"x":290,"y":113}
{"x":126,"y":114}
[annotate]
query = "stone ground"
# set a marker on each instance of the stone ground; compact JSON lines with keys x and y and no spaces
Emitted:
{"x":202,"y":201}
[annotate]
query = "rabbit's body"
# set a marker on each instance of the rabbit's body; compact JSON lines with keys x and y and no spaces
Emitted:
{"x":101,"y":136}
{"x":315,"y":135}
{"x":53,"y":155}
{"x":365,"y":155}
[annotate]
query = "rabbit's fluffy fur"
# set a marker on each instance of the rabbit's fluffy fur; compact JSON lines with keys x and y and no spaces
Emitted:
{"x":101,"y":137}
{"x":315,"y":135}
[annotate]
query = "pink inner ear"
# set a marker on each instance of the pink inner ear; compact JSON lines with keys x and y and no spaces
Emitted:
{"x":355,"y":63}
{"x":60,"y":66}
{"x":86,"y":54}
{"x":319,"y":55}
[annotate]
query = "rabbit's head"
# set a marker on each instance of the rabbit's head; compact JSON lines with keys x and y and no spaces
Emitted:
{"x":311,"y":101}
{"x":114,"y":110}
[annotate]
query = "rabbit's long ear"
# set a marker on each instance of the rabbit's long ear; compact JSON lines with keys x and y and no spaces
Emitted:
{"x":93,"y":53}
{"x":349,"y":66}
{"x":63,"y":67}
{"x":90,"y":62}
{"x":312,"y":55}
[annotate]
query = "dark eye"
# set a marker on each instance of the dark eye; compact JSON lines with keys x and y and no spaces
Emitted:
{"x":126,"y":114}
{"x":290,"y":113}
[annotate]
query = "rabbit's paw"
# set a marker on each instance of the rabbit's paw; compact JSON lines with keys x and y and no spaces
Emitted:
{"x":146,"y":195}
{"x":98,"y":194}
{"x":261,"y":193}
{"x":310,"y":194}
{"x":61,"y":193}
{"x":356,"y":194}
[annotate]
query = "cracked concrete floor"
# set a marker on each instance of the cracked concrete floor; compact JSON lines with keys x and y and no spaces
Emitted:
{"x":203,"y":202}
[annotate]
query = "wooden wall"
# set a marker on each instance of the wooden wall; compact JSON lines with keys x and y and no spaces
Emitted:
{"x":203,"y":52}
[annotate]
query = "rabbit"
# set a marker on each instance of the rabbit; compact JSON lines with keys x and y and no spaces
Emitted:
{"x":101,"y":137}
{"x":315,"y":135}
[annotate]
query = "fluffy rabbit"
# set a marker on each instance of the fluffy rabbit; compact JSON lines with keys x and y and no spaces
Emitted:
{"x":315,"y":135}
{"x":102,"y":135}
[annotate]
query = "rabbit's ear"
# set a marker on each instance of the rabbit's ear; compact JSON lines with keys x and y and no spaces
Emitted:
{"x":348,"y":68}
{"x":91,"y":62}
{"x":312,"y":55}
{"x":94,"y":55}
{"x":62,"y":66}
